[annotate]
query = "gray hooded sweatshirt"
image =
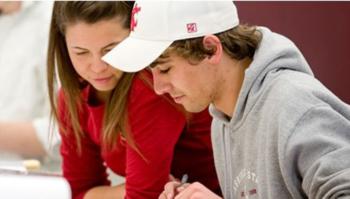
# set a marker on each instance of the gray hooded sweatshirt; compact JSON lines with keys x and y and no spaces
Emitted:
{"x":289,"y":136}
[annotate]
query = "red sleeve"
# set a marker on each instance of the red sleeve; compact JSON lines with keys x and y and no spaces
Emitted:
{"x":82,"y":171}
{"x":156,"y":126}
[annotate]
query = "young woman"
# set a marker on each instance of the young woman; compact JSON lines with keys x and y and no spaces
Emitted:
{"x":113,"y":119}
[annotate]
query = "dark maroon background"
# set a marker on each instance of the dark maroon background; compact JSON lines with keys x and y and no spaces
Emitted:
{"x":320,"y":29}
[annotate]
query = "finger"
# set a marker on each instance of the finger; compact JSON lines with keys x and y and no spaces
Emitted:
{"x":196,"y":190}
{"x":182,"y":187}
{"x":162,"y":195}
{"x":172,"y":178}
{"x":170,"y":188}
{"x":185,"y":193}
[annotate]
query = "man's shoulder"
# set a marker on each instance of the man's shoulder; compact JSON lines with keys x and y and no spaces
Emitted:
{"x":293,"y":87}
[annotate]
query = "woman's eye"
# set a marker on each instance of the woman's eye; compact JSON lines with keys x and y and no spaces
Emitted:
{"x":81,"y":53}
{"x":106,"y":51}
{"x":164,"y":71}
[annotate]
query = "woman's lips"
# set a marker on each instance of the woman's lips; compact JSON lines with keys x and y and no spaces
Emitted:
{"x":103,"y":80}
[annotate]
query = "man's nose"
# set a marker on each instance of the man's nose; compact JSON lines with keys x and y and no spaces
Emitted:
{"x":160,"y":84}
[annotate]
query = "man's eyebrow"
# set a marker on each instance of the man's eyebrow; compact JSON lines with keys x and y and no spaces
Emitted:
{"x":154,"y":64}
{"x":158,"y":61}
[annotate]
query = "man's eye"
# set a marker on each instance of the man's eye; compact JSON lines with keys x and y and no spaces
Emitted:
{"x":164,"y":71}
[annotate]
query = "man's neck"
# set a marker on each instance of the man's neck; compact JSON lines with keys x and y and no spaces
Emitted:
{"x":230,"y":85}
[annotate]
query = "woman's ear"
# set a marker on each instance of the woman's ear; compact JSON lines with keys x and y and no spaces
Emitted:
{"x":213,"y":42}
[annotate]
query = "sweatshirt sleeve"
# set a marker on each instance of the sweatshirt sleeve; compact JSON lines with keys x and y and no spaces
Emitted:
{"x":83,"y":171}
{"x":319,"y":149}
{"x":156,"y":126}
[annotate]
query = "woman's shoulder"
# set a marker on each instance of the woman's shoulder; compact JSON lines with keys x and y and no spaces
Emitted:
{"x":142,"y":82}
{"x":143,"y":99}
{"x":141,"y":90}
{"x":84,"y":92}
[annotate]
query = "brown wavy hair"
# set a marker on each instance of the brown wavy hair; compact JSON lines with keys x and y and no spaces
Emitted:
{"x":239,"y":42}
{"x":66,"y":13}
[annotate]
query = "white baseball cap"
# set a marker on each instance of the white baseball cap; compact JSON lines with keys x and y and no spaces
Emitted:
{"x":155,"y":25}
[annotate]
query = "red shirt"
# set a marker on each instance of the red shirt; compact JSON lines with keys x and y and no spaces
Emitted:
{"x":170,"y":143}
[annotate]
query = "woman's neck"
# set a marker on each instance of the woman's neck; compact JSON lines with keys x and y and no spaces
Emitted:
{"x":98,"y":97}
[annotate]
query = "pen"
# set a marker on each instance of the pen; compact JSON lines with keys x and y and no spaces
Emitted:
{"x":184,"y":179}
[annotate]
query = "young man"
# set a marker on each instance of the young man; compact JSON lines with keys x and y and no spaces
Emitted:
{"x":277,"y":132}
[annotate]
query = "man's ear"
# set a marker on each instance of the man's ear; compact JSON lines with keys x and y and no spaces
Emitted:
{"x":213,"y":42}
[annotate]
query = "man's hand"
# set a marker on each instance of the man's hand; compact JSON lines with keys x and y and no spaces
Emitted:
{"x":174,"y":190}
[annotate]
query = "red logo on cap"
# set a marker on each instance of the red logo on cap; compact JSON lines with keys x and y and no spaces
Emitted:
{"x":191,"y":27}
{"x":133,"y":22}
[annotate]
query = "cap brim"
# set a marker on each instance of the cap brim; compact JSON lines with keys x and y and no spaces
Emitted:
{"x":133,"y":54}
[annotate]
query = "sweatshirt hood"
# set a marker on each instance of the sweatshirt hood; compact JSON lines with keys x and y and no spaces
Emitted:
{"x":275,"y":52}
